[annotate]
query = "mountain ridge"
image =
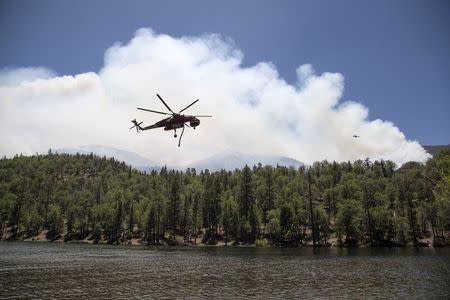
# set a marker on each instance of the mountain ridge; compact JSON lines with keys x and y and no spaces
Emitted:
{"x":227,"y":160}
{"x":131,"y":158}
{"x":230,"y":160}
{"x":434,"y":149}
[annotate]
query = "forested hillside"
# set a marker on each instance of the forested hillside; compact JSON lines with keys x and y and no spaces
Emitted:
{"x":85,"y":197}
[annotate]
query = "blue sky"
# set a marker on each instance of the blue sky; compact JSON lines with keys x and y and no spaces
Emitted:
{"x":394,"y":55}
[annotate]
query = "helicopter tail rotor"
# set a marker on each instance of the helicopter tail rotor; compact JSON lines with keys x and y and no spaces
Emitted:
{"x":136,"y":125}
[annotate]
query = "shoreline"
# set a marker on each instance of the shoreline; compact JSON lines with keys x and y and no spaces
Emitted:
{"x":41,"y":238}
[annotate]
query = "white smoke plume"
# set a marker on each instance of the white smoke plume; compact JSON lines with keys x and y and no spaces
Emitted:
{"x":12,"y":77}
{"x":255,"y":110}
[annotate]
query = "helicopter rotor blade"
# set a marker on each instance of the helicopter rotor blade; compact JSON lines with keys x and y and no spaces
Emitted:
{"x":165,"y":103}
{"x":188,"y":106}
{"x":202,"y":116}
{"x":154,"y":111}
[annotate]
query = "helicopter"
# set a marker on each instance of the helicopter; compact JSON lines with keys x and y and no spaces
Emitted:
{"x":174,"y":122}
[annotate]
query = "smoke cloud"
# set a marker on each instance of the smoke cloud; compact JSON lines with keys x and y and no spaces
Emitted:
{"x":255,"y":110}
{"x":12,"y":77}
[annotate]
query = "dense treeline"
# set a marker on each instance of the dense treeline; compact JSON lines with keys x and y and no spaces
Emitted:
{"x":88,"y":197}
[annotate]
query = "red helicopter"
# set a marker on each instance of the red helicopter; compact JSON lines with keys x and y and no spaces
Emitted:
{"x":176,"y":120}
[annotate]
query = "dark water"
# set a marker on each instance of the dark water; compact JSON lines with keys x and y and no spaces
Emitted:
{"x":79,"y":271}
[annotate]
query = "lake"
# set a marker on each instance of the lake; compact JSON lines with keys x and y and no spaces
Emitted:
{"x":58,"y":270}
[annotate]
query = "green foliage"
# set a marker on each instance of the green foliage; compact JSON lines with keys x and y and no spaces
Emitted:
{"x":261,"y":243}
{"x":274,"y":231}
{"x":286,"y":222}
{"x":97,"y":233}
{"x":228,"y":215}
{"x":348,"y":220}
{"x":55,"y":222}
{"x":365,"y":202}
{"x":383,"y":225}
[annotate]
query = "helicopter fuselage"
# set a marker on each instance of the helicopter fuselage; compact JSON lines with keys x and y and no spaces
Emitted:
{"x":178,"y":121}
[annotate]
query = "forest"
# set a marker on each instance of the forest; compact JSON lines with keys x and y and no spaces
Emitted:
{"x":98,"y":199}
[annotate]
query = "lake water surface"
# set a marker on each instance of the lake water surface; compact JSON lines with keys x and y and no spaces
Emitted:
{"x":79,"y":271}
